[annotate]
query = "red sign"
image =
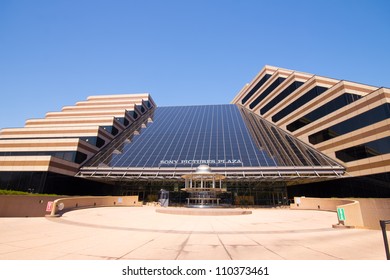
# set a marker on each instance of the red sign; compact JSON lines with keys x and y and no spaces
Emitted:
{"x":49,"y":206}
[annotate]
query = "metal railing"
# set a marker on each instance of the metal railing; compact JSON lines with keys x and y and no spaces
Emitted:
{"x":383,"y":224}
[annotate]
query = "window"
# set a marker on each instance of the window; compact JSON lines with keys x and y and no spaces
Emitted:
{"x":266,"y":92}
{"x":370,"y":149}
{"x":133,"y":114}
{"x":80,"y":157}
{"x":370,"y":117}
{"x":141,"y":108}
{"x":71,"y":156}
{"x":331,"y":106}
{"x":255,"y":88}
{"x":123,"y":121}
{"x":290,"y":89}
{"x":111,"y":129}
{"x":96,"y":141}
{"x":148,"y":104}
{"x":308,"y":96}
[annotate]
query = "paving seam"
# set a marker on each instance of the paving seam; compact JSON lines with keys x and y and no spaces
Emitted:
{"x":223,"y":245}
{"x":182,"y":246}
{"x":309,"y":248}
{"x":193,"y":232}
{"x":143,"y":244}
{"x":265,"y":247}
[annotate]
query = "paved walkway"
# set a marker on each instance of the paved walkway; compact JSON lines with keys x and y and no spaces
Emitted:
{"x":141,"y":233}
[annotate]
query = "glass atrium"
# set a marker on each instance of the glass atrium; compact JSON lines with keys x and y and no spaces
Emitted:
{"x":169,"y":142}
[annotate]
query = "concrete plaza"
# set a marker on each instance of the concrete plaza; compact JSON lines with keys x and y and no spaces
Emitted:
{"x":140,"y":233}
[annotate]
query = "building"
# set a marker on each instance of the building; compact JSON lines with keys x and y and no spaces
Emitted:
{"x":286,"y":133}
{"x":46,"y":154}
{"x":347,"y":121}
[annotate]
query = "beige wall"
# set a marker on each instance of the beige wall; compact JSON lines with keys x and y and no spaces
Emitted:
{"x":374,"y":209}
{"x":73,"y":203}
{"x":359,"y":212}
{"x":310,"y":203}
{"x":35,"y":206}
{"x":25,"y":205}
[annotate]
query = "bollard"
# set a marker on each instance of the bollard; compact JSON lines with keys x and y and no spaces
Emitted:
{"x":384,"y":233}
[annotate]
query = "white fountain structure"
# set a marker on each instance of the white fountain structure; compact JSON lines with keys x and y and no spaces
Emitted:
{"x":203,"y":187}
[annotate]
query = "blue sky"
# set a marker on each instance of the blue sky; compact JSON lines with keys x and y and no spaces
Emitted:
{"x":55,"y":53}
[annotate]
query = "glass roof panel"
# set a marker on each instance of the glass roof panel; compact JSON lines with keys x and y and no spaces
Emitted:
{"x":225,"y":136}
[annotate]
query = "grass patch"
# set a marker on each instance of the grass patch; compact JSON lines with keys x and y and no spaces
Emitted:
{"x":12,"y":192}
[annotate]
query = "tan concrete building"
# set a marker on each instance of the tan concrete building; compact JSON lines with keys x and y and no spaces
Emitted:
{"x":59,"y":144}
{"x":347,"y":121}
{"x":285,"y":134}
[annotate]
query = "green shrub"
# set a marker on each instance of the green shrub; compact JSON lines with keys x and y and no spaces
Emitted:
{"x":12,"y":192}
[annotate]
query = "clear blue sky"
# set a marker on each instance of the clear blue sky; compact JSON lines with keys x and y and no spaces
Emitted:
{"x":55,"y":53}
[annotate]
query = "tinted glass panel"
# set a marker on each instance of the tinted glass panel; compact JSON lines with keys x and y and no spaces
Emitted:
{"x":308,"y":96}
{"x":96,"y":141}
{"x":285,"y":150}
{"x":331,"y":106}
{"x":255,"y":88}
{"x":192,"y":135}
{"x":290,"y":89}
{"x":370,"y":149}
{"x":123,"y":121}
{"x":217,"y":135}
{"x":370,"y":117}
{"x":148,"y":104}
{"x":133,"y":114}
{"x":141,"y":108}
{"x":111,"y":129}
{"x":80,"y":157}
{"x":266,"y":92}
{"x":114,"y":131}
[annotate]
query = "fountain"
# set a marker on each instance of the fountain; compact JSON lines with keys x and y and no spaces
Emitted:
{"x":203,"y":187}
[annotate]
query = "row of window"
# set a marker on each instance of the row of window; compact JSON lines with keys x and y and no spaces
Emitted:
{"x":111,"y":129}
{"x":286,"y":92}
{"x":96,"y":141}
{"x":134,"y":114}
{"x":366,"y":150}
{"x":326,"y":109}
{"x":72,"y":156}
{"x":266,"y":92}
{"x":367,"y":118}
{"x":308,"y":96}
{"x":256,"y":88}
{"x":123,"y":121}
{"x":373,"y":148}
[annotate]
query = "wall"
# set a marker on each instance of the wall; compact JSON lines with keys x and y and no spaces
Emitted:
{"x":310,"y":203}
{"x":72,"y":203}
{"x":359,"y":212}
{"x":35,"y":206}
{"x":25,"y":205}
{"x":374,"y":210}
